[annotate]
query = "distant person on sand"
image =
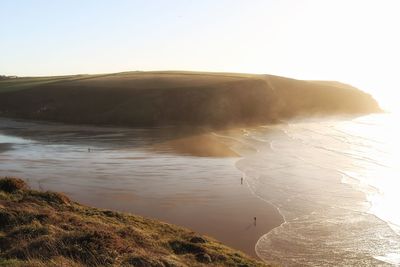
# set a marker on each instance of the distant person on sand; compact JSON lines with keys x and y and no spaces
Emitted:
{"x":241,"y":180}
{"x":255,"y":220}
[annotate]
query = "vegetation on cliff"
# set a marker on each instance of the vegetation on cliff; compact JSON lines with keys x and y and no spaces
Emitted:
{"x":48,"y":229}
{"x":177,"y":98}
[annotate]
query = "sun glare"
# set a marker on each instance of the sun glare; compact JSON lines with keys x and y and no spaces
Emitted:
{"x":250,"y":122}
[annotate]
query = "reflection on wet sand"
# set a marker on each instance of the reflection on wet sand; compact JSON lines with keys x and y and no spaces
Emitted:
{"x":150,"y":172}
{"x":204,"y":145}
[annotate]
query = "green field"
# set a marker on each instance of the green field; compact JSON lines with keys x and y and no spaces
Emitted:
{"x":177,"y":98}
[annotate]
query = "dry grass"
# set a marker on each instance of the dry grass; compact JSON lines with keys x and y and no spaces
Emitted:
{"x":48,"y":229}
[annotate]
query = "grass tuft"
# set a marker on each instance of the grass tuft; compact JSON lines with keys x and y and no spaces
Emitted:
{"x":50,"y":197}
{"x":139,"y":261}
{"x":48,"y":229}
{"x":11,"y":185}
{"x":181,"y":247}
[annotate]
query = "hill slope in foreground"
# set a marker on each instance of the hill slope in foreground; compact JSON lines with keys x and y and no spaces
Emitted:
{"x":48,"y":229}
{"x":176,"y":98}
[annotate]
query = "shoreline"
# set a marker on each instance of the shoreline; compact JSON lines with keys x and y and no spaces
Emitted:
{"x":229,"y":220}
{"x":268,"y":203}
{"x":208,"y":198}
{"x":234,"y":227}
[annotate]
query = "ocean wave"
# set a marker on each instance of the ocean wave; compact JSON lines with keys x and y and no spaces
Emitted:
{"x":327,"y":211}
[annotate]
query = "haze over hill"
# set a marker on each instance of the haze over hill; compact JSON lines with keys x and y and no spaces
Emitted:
{"x":177,"y":98}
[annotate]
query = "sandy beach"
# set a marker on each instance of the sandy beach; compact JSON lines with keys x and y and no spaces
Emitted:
{"x":198,"y":145}
{"x":226,"y":215}
{"x":189,"y":181}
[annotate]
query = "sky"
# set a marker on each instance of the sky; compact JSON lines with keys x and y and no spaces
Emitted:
{"x":352,"y":41}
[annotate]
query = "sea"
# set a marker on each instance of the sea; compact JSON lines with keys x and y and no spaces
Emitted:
{"x":335,"y":181}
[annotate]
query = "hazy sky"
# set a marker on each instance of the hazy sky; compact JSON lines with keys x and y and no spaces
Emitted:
{"x":348,"y":40}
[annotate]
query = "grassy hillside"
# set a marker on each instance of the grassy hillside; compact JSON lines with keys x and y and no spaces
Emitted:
{"x":176,"y":98}
{"x":48,"y":229}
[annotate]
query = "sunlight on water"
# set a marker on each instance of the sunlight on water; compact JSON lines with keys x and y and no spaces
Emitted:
{"x":336,"y":184}
{"x":382,"y":145}
{"x":384,"y":174}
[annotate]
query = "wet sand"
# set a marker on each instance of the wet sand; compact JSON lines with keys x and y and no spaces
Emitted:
{"x":177,"y":180}
{"x":226,"y":216}
{"x":198,"y":145}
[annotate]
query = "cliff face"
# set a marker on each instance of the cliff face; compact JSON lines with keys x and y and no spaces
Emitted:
{"x":304,"y":98}
{"x":177,"y":98}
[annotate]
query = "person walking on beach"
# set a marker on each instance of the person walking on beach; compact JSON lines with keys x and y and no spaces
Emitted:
{"x":241,"y":180}
{"x":255,"y":220}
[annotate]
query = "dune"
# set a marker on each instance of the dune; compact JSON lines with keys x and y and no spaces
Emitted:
{"x":147,"y":99}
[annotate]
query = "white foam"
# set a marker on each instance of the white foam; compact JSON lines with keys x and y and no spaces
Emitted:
{"x":330,"y":196}
{"x":391,"y":258}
